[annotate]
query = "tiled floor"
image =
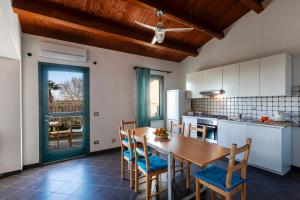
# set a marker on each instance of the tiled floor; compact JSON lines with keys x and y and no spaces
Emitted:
{"x":98,"y":177}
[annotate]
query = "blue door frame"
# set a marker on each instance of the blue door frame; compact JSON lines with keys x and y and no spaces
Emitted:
{"x":45,"y":154}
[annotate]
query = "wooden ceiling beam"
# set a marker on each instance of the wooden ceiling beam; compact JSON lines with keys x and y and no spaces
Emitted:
{"x":254,"y":5}
{"x":88,"y":23}
{"x":154,"y":5}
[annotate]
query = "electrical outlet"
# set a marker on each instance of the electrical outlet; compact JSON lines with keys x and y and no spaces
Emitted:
{"x":96,"y":141}
{"x":96,"y":114}
{"x":113,"y":140}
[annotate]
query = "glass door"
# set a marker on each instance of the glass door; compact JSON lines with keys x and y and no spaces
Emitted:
{"x":64,"y":111}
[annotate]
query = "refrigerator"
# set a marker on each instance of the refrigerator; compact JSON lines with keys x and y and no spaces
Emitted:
{"x":177,"y":105}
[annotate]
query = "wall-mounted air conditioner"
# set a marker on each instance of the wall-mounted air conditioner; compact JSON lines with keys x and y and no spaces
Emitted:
{"x":49,"y":50}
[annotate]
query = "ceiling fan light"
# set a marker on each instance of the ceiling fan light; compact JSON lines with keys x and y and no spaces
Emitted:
{"x":160,"y":36}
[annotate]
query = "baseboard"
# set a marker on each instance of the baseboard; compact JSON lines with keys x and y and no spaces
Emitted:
{"x":295,"y":168}
{"x":36,"y":165}
{"x":6,"y":174}
{"x":94,"y":153}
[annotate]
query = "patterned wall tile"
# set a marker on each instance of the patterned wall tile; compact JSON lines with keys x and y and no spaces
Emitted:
{"x":252,"y":107}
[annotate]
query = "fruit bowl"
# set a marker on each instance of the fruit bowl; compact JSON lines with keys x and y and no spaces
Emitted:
{"x":161,"y":133}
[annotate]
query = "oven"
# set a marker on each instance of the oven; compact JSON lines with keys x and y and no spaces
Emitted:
{"x":211,"y":129}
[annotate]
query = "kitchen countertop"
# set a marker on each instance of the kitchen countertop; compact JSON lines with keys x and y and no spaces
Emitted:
{"x":255,"y":122}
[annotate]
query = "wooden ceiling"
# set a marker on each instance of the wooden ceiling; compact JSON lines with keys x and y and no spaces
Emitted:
{"x":110,"y":23}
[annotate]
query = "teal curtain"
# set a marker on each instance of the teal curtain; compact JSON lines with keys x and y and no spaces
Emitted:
{"x":143,"y":97}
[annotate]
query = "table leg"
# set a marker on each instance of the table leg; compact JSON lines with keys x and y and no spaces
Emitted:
{"x":170,"y":180}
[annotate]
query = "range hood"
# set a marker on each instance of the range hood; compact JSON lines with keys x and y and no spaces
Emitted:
{"x":212,"y":92}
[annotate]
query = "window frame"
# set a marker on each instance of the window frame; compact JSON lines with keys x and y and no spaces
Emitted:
{"x":160,"y":78}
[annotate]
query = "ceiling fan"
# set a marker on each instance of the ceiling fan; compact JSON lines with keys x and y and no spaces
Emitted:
{"x":160,"y":30}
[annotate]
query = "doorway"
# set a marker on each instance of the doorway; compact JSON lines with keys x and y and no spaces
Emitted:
{"x":64,"y":111}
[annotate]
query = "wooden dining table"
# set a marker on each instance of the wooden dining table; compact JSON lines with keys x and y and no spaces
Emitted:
{"x":190,"y":149}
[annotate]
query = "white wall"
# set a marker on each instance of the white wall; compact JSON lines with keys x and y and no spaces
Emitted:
{"x":10,"y":90}
{"x":10,"y":35}
{"x":275,"y":30}
{"x":10,"y":116}
{"x":112,"y":92}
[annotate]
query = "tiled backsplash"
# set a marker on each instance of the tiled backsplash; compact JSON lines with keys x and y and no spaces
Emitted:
{"x":251,"y":107}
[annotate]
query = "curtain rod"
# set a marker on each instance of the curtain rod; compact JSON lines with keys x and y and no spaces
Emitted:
{"x":168,"y":72}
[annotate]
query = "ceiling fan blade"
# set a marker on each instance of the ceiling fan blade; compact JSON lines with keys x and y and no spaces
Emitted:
{"x":153,"y":40}
{"x":145,"y":25}
{"x":178,"y":29}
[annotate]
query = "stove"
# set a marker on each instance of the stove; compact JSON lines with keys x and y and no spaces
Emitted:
{"x":211,"y":124}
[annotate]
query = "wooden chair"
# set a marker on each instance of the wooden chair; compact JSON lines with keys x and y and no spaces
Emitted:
{"x":181,"y":128}
{"x":124,"y":124}
{"x":188,"y":164}
{"x":60,"y":134}
{"x":202,"y":130}
{"x":225,"y":182}
{"x":127,"y":153}
{"x":148,"y":165}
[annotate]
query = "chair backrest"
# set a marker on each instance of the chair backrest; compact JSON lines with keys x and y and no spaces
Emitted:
{"x":202,"y":130}
{"x":180,"y":126}
{"x":126,"y":140}
{"x":139,"y":152}
{"x":132,"y":123}
{"x":242,"y":166}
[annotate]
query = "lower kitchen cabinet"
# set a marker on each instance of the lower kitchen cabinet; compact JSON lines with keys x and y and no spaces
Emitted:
{"x":271,"y":146}
{"x":231,"y":133}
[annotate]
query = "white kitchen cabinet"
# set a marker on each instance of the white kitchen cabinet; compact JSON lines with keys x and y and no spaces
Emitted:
{"x":249,"y":78}
{"x":296,"y":146}
{"x":263,"y":152}
{"x":194,"y":84}
{"x":212,"y":79}
{"x":231,"y":133}
{"x":231,"y":80}
{"x":190,"y":120}
{"x":271,"y":146}
{"x":276,"y":75}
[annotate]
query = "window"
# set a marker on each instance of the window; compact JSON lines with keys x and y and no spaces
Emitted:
{"x":156,"y":97}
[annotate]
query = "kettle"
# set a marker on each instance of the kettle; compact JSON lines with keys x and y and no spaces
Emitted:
{"x":279,"y":116}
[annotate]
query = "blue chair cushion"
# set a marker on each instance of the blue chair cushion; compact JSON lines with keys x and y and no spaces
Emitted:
{"x":127,"y":154}
{"x":155,"y":163}
{"x":217,"y":177}
{"x":126,"y":140}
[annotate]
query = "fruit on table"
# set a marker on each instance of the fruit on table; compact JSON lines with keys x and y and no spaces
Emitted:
{"x":160,"y":132}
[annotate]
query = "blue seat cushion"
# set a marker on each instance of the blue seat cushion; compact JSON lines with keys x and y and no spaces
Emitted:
{"x":155,"y":163}
{"x":127,"y":154}
{"x":126,"y":140}
{"x":217,"y":177}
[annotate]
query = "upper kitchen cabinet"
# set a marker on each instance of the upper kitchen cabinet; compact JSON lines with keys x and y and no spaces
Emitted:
{"x":231,"y":80}
{"x":249,"y":78}
{"x":276,"y":75}
{"x":194,"y":84}
{"x":212,"y":79}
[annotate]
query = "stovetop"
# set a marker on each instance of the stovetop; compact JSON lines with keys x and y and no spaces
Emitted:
{"x":211,"y":116}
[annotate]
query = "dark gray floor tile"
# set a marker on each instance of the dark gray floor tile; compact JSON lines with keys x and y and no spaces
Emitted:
{"x":103,"y":193}
{"x":85,"y":190}
{"x":98,"y":177}
{"x":68,"y":188}
{"x":122,"y":194}
{"x":111,"y":181}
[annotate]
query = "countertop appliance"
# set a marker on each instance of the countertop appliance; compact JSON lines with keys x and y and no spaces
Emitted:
{"x":177,"y":105}
{"x":211,"y":123}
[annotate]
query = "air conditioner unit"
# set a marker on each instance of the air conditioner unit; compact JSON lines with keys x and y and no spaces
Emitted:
{"x":49,"y":50}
